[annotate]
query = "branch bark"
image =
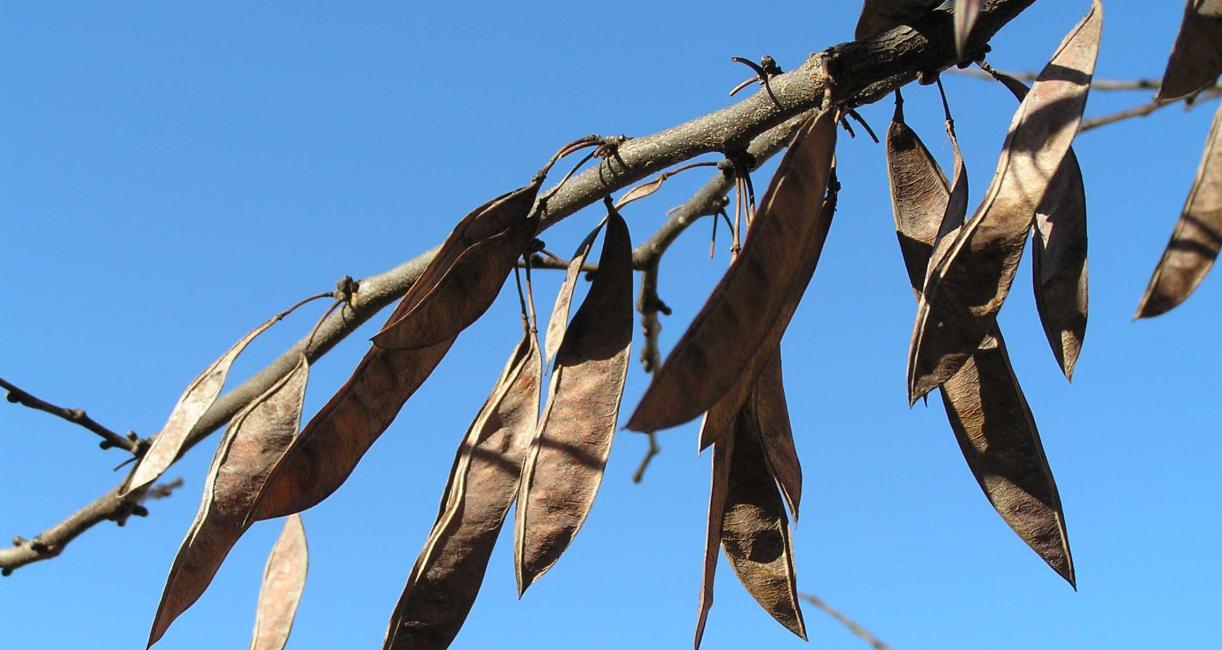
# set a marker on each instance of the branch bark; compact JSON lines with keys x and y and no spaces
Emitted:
{"x":852,"y":73}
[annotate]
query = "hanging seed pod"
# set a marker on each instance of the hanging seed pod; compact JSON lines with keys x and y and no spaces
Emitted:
{"x":559,"y":321}
{"x":483,"y":483}
{"x":1196,"y":57}
{"x":255,"y":439}
{"x":564,"y":467}
{"x":283,"y":582}
{"x":966,"y":12}
{"x":723,"y":448}
{"x":967,"y":287}
{"x":1197,"y":237}
{"x":878,"y":16}
{"x":740,"y":315}
{"x":467,"y":273}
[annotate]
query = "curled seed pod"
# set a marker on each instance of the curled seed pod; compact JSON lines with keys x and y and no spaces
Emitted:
{"x":984,"y":403}
{"x":253,"y":442}
{"x":1196,"y":57}
{"x":967,"y":287}
{"x":739,"y":317}
{"x":465,"y":276}
{"x":195,"y":401}
{"x":564,"y":467}
{"x":1197,"y":237}
{"x":283,"y":582}
{"x":483,"y":483}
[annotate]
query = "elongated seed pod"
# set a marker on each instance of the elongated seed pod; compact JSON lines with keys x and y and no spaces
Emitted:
{"x":283,"y":583}
{"x":1196,"y":57}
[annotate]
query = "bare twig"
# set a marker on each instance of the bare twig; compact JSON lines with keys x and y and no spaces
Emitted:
{"x":853,"y":73}
{"x":130,"y":442}
{"x":1095,"y":84}
{"x":653,"y":450}
{"x":861,"y":632}
{"x":1146,"y":109}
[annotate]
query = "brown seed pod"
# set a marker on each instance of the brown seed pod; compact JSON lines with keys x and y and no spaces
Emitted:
{"x":776,"y":432}
{"x":564,"y":467}
{"x":984,"y":403}
{"x":283,"y":582}
{"x":252,"y":444}
{"x":878,"y":16}
{"x":739,"y":317}
{"x":195,"y":401}
{"x":1197,"y":237}
{"x":723,"y":448}
{"x":483,"y":483}
{"x":967,"y":287}
{"x":320,"y":459}
{"x":467,"y":273}
{"x":559,"y":321}
{"x":966,"y":12}
{"x":1196,"y":57}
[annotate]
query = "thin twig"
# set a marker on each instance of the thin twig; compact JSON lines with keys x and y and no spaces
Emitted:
{"x":1095,"y":84}
{"x":78,"y":417}
{"x":861,"y":632}
{"x":653,"y":450}
{"x":1146,"y":109}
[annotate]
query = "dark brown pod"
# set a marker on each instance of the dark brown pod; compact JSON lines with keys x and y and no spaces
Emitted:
{"x":254,"y":441}
{"x":564,"y":467}
{"x":466,"y":275}
{"x":776,"y":433}
{"x":743,"y":310}
{"x":483,"y":483}
{"x":559,"y":320}
{"x":283,"y":583}
{"x":722,"y":450}
{"x":1196,"y":57}
{"x":1197,"y":236}
{"x":966,"y":288}
{"x":320,"y":459}
{"x":878,"y":16}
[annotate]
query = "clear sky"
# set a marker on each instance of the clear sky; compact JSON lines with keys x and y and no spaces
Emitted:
{"x":171,"y":176}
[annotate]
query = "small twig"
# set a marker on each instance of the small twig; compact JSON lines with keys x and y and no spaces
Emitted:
{"x":1146,"y":109}
{"x":649,"y":304}
{"x":861,"y":632}
{"x":653,"y":450}
{"x":131,"y":442}
{"x":161,"y":490}
{"x":1095,"y":84}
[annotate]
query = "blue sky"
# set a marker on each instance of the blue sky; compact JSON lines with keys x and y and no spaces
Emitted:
{"x":171,"y":176}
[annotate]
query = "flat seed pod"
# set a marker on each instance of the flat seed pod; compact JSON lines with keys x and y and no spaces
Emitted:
{"x":776,"y":432}
{"x":483,"y":483}
{"x":320,"y":459}
{"x":755,"y":531}
{"x":878,"y":16}
{"x":465,"y":276}
{"x":1196,"y":57}
{"x":1059,"y":254}
{"x":559,"y":321}
{"x":1197,"y":236}
{"x":565,"y":464}
{"x":966,"y":12}
{"x":255,"y":439}
{"x":984,"y":403}
{"x":195,"y":401}
{"x":722,"y":451}
{"x":967,"y":287}
{"x":283,"y":583}
{"x":738,"y":318}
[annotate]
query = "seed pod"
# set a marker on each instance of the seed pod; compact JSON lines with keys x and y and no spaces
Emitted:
{"x":878,"y":16}
{"x":1196,"y":57}
{"x":984,"y":403}
{"x":739,"y":317}
{"x":776,"y":432}
{"x":559,"y":321}
{"x":283,"y":582}
{"x":966,"y":289}
{"x":255,"y":439}
{"x":564,"y":467}
{"x":465,"y":276}
{"x":320,"y":459}
{"x":195,"y":401}
{"x":1059,"y":254}
{"x":723,"y":448}
{"x":966,"y":12}
{"x":483,"y":483}
{"x":1197,"y":236}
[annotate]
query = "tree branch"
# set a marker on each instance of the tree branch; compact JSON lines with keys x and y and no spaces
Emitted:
{"x":130,"y":442}
{"x":853,"y":73}
{"x":861,"y":632}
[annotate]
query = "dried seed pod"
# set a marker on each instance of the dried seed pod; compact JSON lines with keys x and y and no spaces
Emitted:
{"x":967,"y":287}
{"x":320,"y":459}
{"x":283,"y":582}
{"x":1196,"y":57}
{"x":1059,"y":254}
{"x":195,"y":401}
{"x":559,"y":321}
{"x":1197,"y":236}
{"x":483,"y":483}
{"x":746,"y":306}
{"x":776,"y":432}
{"x":966,"y":12}
{"x":465,"y":276}
{"x":255,"y":439}
{"x":564,"y":467}
{"x":755,"y":531}
{"x":984,"y":403}
{"x":723,"y":448}
{"x":878,"y":16}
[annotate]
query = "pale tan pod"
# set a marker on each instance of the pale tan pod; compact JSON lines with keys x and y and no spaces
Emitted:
{"x":283,"y":583}
{"x":966,"y":12}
